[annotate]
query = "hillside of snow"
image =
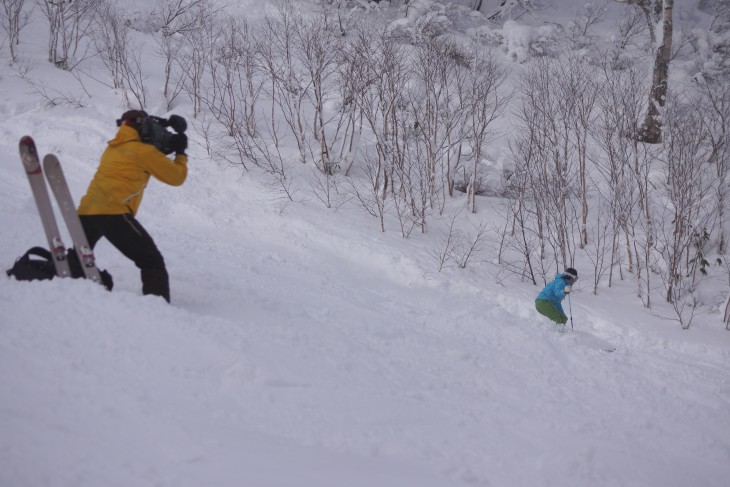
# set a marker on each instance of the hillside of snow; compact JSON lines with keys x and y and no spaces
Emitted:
{"x":305,"y":348}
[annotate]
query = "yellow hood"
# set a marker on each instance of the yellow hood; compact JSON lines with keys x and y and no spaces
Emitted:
{"x":124,"y":170}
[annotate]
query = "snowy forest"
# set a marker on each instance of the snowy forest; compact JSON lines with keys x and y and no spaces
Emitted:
{"x":606,"y":135}
{"x":376,"y":192}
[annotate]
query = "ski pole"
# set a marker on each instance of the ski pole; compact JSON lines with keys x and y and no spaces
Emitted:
{"x":570,"y":309}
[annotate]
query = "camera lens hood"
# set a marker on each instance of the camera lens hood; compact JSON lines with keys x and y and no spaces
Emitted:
{"x":177,"y":123}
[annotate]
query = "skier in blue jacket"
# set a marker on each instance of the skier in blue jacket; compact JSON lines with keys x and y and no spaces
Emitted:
{"x":548,"y":301}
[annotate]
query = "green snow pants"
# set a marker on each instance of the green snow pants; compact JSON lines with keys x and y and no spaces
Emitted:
{"x":546,"y":308}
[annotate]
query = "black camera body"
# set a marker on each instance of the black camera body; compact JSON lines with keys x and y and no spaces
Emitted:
{"x":153,"y":130}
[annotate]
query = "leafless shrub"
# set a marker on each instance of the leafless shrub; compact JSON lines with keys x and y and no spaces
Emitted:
{"x":471,"y":246}
{"x":620,"y":108}
{"x":135,"y":77}
{"x":298,"y":54}
{"x":548,"y":161}
{"x":54,"y":97}
{"x":121,"y":55}
{"x":381,"y":81}
{"x":515,"y":8}
{"x":111,"y":39}
{"x":689,"y":202}
{"x":601,"y":249}
{"x":714,"y":100}
{"x":170,"y":20}
{"x":232,"y":93}
{"x":275,"y":54}
{"x":372,"y":193}
{"x":327,"y":189}
{"x":14,"y":16}
{"x":588,"y":16}
{"x":522,"y":248}
{"x":317,"y":49}
{"x":485,"y":102}
{"x":443,"y":252}
{"x":23,"y":67}
{"x":631,"y":28}
{"x":192,"y":58}
{"x":456,"y":247}
{"x":70,"y":23}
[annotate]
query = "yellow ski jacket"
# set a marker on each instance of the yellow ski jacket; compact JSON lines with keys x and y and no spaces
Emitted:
{"x":124,"y":170}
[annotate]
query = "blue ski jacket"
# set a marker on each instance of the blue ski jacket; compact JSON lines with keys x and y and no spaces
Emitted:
{"x":555,"y":292}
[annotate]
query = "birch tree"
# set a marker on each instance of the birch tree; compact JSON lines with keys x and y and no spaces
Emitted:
{"x":70,"y":22}
{"x":652,"y":128}
{"x":14,"y":17}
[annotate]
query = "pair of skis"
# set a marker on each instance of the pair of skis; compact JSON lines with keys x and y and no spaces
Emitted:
{"x":57,"y":181}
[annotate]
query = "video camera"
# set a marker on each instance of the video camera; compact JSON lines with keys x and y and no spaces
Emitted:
{"x":153,"y":130}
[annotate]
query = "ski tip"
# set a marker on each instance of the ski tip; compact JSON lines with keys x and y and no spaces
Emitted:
{"x":27,"y":145}
{"x":49,"y":160}
{"x":26,"y":140}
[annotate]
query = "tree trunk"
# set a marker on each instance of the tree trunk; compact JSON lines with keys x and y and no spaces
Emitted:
{"x":652,"y":125}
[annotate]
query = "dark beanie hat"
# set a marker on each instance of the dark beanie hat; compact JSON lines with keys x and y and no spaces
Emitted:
{"x":132,"y":118}
{"x":570,"y":272}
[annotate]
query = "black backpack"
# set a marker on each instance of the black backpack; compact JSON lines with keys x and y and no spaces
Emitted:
{"x":36,"y":264}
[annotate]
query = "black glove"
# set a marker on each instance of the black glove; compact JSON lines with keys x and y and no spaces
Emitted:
{"x":180,"y":143}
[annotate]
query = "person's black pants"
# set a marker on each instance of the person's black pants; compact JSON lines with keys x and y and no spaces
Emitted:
{"x":132,"y":240}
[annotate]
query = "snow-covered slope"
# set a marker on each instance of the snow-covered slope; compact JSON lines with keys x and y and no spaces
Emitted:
{"x":306,"y":348}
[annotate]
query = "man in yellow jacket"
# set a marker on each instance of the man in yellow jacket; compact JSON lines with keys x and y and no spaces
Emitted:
{"x":109,"y":207}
